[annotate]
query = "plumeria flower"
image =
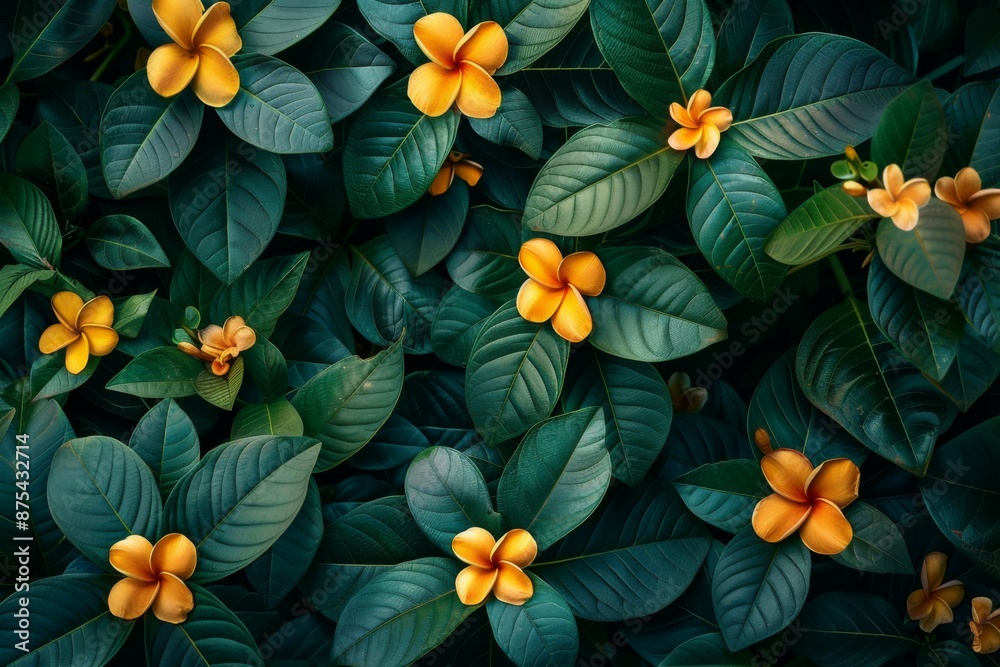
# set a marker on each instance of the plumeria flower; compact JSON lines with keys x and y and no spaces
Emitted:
{"x":684,"y":397}
{"x":556,"y":285}
{"x":456,"y":164}
{"x":932,"y":604}
{"x":985,"y":626}
{"x":701,"y":124}
{"x":808,"y":500}
{"x":494,"y":565}
{"x":155,"y":577}
{"x":977,"y":206}
{"x":900,"y":200}
{"x":84,"y":329}
{"x":461,"y":68}
{"x":204,"y":41}
{"x":220,"y":345}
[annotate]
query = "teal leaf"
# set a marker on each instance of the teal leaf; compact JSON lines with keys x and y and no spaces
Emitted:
{"x":929,"y":256}
{"x":912,"y":133}
{"x":28,"y":227}
{"x":847,"y":629}
{"x":50,"y":161}
{"x":262,"y":293}
{"x":166,"y":439}
{"x":746,"y":30}
{"x":877,"y":545}
{"x":48,"y":34}
{"x":724,"y":494}
{"x":270,"y":26}
{"x":540,"y":632}
{"x":121,"y":243}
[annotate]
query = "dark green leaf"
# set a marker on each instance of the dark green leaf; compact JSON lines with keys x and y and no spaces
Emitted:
{"x":818,"y":226}
{"x":746,"y":29}
{"x":540,"y":632}
{"x":425,"y":233}
{"x":912,"y":133}
{"x":221,"y":390}
{"x":121,"y":243}
{"x":163,"y":372}
{"x":982,"y":41}
{"x":459,"y":319}
{"x":166,"y":439}
{"x":929,"y":257}
{"x":49,"y":160}
{"x":484,"y":260}
{"x":516,"y":123}
{"x":48,"y":33}
{"x":261,"y":294}
{"x":28,"y":227}
{"x":270,"y":26}
{"x":848,"y":629}
{"x":276,"y":417}
{"x":724,"y":494}
{"x":877,"y":545}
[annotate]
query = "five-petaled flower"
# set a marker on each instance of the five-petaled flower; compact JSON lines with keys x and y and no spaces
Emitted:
{"x":556,"y":285}
{"x":985,"y":626}
{"x":932,"y":604}
{"x":155,"y":577}
{"x":808,"y":500}
{"x":494,"y":565}
{"x":461,"y":68}
{"x":220,"y":345}
{"x":456,"y":164}
{"x":701,"y":124}
{"x":84,"y":329}
{"x":203,"y":43}
{"x":900,"y":200}
{"x":977,"y":206}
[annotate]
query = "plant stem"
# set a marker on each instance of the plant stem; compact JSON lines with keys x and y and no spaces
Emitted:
{"x":847,"y":246}
{"x":841,"y":276}
{"x":113,"y":53}
{"x":954,"y":63}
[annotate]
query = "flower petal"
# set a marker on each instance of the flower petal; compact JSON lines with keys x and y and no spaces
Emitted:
{"x":99,"y":311}
{"x":892,"y":179}
{"x":967,"y":184}
{"x":787,"y":471}
{"x":213,"y":336}
{"x":170,"y":69}
{"x":708,"y":142}
{"x":178,"y":18}
{"x":987,"y":638}
{"x":572,"y":318}
{"x":469,"y":171}
{"x":584,"y":271}
{"x":981,"y":609}
{"x":66,"y":306}
{"x":720,"y":117}
{"x":932,"y":570}
{"x":220,"y":367}
{"x":951,"y":593}
{"x":473,"y":546}
{"x":977,"y":225}
{"x":918,"y":605}
{"x":130,"y":598}
{"x":837,"y":480}
{"x":854,"y":189}
{"x":437,"y":35}
{"x":940,"y":614}
{"x":77,"y":355}
{"x":776,"y":517}
{"x":917,"y":190}
{"x":238,"y":334}
{"x":882,"y":202}
{"x":218,"y":28}
{"x":826,"y":531}
{"x":512,"y":586}
{"x":443,"y":180}
{"x":479,"y":94}
{"x":907,"y":214}
{"x":174,"y":553}
{"x":56,"y":337}
{"x":433,"y":89}
{"x":681,"y":116}
{"x":485,"y":45}
{"x":473,"y":584}
{"x":684,"y":138}
{"x":988,"y":201}
{"x":699,"y":101}
{"x":216,"y":82}
{"x":517,"y":546}
{"x":100,"y":340}
{"x":944,"y":190}
{"x":540,"y":259}
{"x":174,"y":600}
{"x":131,"y":557}
{"x":194,"y":351}
{"x":536,"y":302}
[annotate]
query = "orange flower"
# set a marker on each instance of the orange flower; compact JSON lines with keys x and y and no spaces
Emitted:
{"x":457,"y":164}
{"x":555,"y":287}
{"x":932,"y":604}
{"x":84,"y":329}
{"x":900,"y":200}
{"x":977,"y":206}
{"x":702,"y":124}
{"x":684,"y":397}
{"x":155,"y":577}
{"x":807,"y":500}
{"x":204,"y":41}
{"x":985,"y":626}
{"x":494,"y":565}
{"x":461,"y":68}
{"x":222,"y":344}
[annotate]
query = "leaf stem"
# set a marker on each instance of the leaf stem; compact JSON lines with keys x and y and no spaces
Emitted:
{"x":841,"y":276}
{"x":856,"y":245}
{"x":113,"y":53}
{"x":954,"y":63}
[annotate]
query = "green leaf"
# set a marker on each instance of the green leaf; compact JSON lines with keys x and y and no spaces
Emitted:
{"x":10,"y":100}
{"x":49,"y":376}
{"x":557,"y":476}
{"x":973,"y":114}
{"x":346,"y":404}
{"x":130,"y":313}
{"x":101,"y":492}
{"x":49,"y":33}
{"x":724,"y":494}
{"x":707,"y":649}
{"x":211,"y":635}
{"x":515,"y":375}
{"x":982,"y":41}
{"x":758,"y":588}
{"x":166,"y":439}
{"x":929,"y":257}
{"x":516,"y":123}
{"x":270,"y":26}
{"x":49,"y":160}
{"x":637,"y":410}
{"x":400,"y":614}
{"x":746,"y":29}
{"x":385,"y":302}
{"x":192,"y":283}
{"x":912,"y":133}
{"x":809,"y":96}
{"x":733,"y":207}
{"x":163,"y":372}
{"x":974,"y":370}
{"x":268,"y":369}
{"x":15,"y":278}
{"x":76,"y":626}
{"x":221,"y":390}
{"x":849,"y":371}
{"x":979,"y":293}
{"x":425,"y":233}
{"x":542,"y":631}
{"x":459,"y":319}
{"x":315,"y":203}
{"x":394,"y":19}
{"x":661,"y":51}
{"x":847,"y":629}
{"x":653,"y":308}
{"x":533,"y":27}
{"x":818,"y":226}
{"x":121,"y":243}
{"x":145,"y":137}
{"x":447,"y":494}
{"x":276,"y":417}
{"x":277,"y":107}
{"x":261,"y":294}
{"x":877,"y":545}
{"x":239,"y":500}
{"x":601,"y":178}
{"x":227,"y":203}
{"x":631,"y":558}
{"x":393,"y":152}
{"x":28,"y":227}
{"x":484,"y":260}
{"x":74,"y":107}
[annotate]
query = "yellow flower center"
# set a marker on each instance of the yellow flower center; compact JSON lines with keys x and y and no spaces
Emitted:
{"x":494,"y":565}
{"x":83,"y":329}
{"x":154,"y":577}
